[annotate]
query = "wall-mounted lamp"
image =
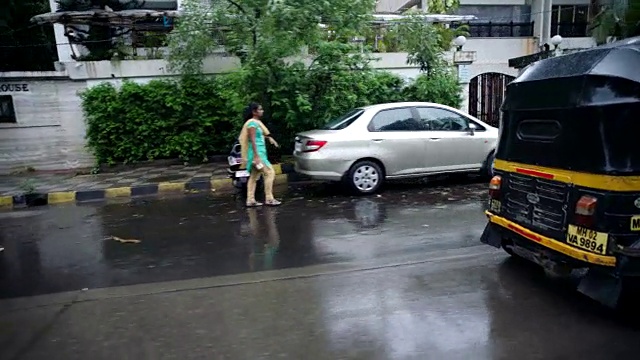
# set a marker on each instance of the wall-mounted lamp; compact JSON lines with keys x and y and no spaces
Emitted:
{"x":556,"y":40}
{"x":459,"y":42}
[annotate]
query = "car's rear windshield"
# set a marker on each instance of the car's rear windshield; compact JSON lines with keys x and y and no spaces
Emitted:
{"x":344,"y":121}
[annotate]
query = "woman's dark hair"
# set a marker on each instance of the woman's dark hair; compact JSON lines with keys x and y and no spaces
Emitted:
{"x":248,"y":111}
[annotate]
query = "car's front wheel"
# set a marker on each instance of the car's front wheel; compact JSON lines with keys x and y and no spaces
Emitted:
{"x":365,"y":177}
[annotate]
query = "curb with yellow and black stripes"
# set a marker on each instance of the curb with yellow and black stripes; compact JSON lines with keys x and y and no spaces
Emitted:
{"x":284,"y":174}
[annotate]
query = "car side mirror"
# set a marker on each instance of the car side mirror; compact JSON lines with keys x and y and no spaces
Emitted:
{"x":472,"y":129}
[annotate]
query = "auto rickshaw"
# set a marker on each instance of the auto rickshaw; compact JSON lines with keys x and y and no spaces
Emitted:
{"x":566,"y":187}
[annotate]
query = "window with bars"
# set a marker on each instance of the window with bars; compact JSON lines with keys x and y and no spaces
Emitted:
{"x":7,"y":112}
{"x":570,"y":20}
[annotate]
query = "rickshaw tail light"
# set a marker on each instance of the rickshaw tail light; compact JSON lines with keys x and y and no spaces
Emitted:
{"x":586,"y":206}
{"x":494,"y":186}
{"x":585,"y":210}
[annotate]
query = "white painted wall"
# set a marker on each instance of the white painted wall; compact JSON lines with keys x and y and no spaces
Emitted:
{"x":49,"y":133}
{"x":577,"y":43}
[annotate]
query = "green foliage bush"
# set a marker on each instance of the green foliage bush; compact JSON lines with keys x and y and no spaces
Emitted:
{"x":196,"y":117}
{"x":187,"y":119}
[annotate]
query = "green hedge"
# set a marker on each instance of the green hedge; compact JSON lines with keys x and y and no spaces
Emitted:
{"x":195,"y":118}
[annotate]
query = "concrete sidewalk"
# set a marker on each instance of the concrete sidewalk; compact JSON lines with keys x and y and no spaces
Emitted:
{"x":47,"y":189}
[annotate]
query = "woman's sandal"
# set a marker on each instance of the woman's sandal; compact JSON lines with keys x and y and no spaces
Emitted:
{"x":254,"y":204}
{"x":273,"y":202}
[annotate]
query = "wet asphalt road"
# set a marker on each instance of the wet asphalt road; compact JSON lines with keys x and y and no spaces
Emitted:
{"x":400,"y":276}
{"x":73,"y":247}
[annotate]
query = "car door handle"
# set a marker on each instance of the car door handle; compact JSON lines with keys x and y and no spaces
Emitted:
{"x":434,"y":139}
{"x":377,"y":140}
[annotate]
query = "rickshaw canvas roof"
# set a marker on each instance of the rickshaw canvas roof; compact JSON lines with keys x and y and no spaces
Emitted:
{"x":619,"y":59}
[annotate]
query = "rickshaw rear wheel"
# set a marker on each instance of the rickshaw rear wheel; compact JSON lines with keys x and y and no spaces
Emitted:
{"x":508,"y":250}
{"x":487,"y":167}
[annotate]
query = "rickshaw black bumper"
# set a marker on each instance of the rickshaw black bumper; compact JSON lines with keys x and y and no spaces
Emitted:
{"x":605,"y":275}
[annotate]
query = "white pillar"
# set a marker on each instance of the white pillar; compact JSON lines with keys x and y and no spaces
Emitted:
{"x":179,"y":4}
{"x":536,"y":17}
{"x":62,"y":46}
{"x":464,"y":105}
{"x":546,"y":22}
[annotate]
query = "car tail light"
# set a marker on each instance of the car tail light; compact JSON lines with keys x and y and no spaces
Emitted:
{"x":585,"y":210}
{"x":313,"y":145}
{"x":494,"y":187}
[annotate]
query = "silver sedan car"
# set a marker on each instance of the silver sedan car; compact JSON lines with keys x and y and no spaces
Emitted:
{"x":367,"y":145}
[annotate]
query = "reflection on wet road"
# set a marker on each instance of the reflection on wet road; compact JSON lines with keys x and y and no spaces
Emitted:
{"x":76,"y":247}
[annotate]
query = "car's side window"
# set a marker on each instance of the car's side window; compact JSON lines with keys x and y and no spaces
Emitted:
{"x":437,"y":119}
{"x":394,"y":120}
{"x":478,"y":126}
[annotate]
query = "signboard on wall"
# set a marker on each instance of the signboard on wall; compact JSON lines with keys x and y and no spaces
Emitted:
{"x":464,"y":73}
{"x":14,"y":87}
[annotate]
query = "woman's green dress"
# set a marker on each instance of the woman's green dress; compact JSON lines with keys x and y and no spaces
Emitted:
{"x":260,"y":145}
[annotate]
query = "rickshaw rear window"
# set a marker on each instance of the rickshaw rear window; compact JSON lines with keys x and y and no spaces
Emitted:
{"x":539,"y":130}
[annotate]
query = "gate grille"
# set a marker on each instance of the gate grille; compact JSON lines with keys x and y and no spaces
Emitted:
{"x":486,"y":93}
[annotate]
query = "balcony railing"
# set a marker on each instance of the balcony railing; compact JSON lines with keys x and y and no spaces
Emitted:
{"x":500,"y":29}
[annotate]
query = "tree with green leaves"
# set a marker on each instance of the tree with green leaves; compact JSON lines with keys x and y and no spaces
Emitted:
{"x":614,"y":20}
{"x":426,"y":42}
{"x":264,"y":34}
{"x":270,"y":38}
{"x":265,"y":29}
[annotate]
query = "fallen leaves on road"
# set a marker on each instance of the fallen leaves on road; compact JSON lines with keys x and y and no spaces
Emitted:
{"x":126,"y":241}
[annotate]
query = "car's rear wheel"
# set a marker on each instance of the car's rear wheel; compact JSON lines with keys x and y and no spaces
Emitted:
{"x":365,"y":177}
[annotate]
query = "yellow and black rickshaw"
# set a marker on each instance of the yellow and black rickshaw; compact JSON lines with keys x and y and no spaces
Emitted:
{"x":566,"y":190}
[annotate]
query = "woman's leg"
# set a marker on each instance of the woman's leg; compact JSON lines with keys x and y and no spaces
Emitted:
{"x":269,"y":178}
{"x":251,"y":187}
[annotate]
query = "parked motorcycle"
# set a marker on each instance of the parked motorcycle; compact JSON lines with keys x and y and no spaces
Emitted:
{"x":239,"y":177}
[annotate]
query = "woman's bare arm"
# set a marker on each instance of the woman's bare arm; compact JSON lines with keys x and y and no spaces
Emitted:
{"x":273,"y":141}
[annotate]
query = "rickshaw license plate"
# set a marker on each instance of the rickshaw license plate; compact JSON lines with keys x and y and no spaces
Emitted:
{"x":242,"y":173}
{"x":635,"y":223}
{"x":587,"y":239}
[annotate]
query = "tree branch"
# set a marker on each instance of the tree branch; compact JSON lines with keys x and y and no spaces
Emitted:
{"x":253,"y":28}
{"x":237,"y":6}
